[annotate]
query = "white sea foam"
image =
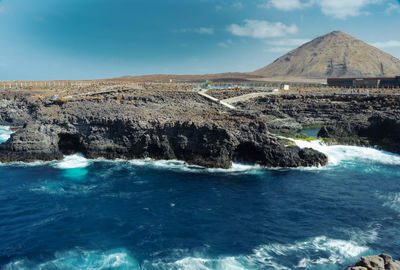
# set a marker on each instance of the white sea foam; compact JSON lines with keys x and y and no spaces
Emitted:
{"x":80,"y":259}
{"x":183,"y":166}
{"x":339,"y":154}
{"x":5,"y":133}
{"x":315,"y":252}
{"x":69,"y":162}
{"x":72,"y":162}
{"x":391,"y":200}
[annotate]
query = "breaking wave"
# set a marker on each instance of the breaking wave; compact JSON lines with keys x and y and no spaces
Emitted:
{"x":309,"y":254}
{"x":5,"y":133}
{"x":72,"y":162}
{"x":338,"y":154}
{"x":315,"y":252}
{"x":183,"y":166}
{"x":80,"y":259}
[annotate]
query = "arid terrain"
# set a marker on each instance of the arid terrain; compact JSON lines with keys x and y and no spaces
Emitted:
{"x":111,"y":119}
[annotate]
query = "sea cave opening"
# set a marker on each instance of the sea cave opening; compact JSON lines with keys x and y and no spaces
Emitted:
{"x":248,"y":152}
{"x":69,"y":144}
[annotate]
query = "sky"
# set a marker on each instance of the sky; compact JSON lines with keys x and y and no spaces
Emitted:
{"x":93,"y":39}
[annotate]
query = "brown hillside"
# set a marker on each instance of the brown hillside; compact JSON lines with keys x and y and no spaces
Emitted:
{"x":336,"y":54}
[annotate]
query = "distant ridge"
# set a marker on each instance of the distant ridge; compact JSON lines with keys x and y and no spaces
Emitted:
{"x":233,"y":76}
{"x":336,"y":54}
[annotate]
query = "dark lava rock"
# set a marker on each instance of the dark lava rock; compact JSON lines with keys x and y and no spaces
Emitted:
{"x":169,"y":125}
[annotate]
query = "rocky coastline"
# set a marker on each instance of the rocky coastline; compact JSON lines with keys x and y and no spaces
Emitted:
{"x":182,"y":125}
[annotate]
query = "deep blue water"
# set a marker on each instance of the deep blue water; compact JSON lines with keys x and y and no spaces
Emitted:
{"x":142,"y":214}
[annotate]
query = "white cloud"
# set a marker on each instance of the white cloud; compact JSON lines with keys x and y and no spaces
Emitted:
{"x":204,"y":30}
{"x":387,"y":44}
{"x":286,"y":5}
{"x":393,"y":7}
{"x":225,"y":44}
{"x":200,"y":30}
{"x":238,"y":5}
{"x":262,"y":29}
{"x":2,"y":9}
{"x":340,"y":9}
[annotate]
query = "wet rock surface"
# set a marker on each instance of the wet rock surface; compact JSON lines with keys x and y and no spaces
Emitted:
{"x":183,"y":125}
{"x":145,"y":124}
{"x":346,"y":119}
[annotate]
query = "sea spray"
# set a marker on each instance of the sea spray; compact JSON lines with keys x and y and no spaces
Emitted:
{"x":5,"y":133}
{"x":338,"y":154}
{"x":72,"y":162}
{"x":80,"y":259}
{"x":317,"y":252}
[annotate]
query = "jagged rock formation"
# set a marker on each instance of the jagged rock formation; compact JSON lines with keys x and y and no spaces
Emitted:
{"x":336,"y":54}
{"x":142,"y":124}
{"x":185,"y":126}
{"x":376,"y":262}
{"x":356,"y":120}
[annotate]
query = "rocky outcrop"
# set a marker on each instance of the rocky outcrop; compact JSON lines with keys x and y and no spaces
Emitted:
{"x":205,"y":145}
{"x":14,"y":112}
{"x":379,"y":129}
{"x":185,"y":126}
{"x":346,"y":119}
{"x":376,"y":262}
{"x":152,"y":126}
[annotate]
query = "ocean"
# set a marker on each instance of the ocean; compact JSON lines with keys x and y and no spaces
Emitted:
{"x":144,"y":214}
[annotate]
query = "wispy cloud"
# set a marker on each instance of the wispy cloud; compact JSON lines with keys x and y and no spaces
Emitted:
{"x":225,"y":44}
{"x":262,"y":29}
{"x":238,"y":5}
{"x":340,"y":9}
{"x":286,"y":5}
{"x":393,"y":7}
{"x":224,"y":5}
{"x":199,"y":30}
{"x":387,"y":44}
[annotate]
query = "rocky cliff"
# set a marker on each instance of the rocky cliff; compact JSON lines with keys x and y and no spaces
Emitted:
{"x":141,"y":124}
{"x":346,"y":119}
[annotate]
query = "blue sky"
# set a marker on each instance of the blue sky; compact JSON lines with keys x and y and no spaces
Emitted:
{"x":84,"y":39}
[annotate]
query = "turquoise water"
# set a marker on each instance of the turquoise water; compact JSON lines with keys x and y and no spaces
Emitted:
{"x":313,"y":132}
{"x":144,"y":214}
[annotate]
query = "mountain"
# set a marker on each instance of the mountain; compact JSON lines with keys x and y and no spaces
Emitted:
{"x":336,"y":54}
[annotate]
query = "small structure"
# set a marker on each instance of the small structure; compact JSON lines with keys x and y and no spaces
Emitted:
{"x":379,"y":82}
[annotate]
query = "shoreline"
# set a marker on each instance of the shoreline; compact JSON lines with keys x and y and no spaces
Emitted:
{"x":167,"y":124}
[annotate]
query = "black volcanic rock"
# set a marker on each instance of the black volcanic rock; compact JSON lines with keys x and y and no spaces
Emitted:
{"x":158,"y":125}
{"x":345,"y":119}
